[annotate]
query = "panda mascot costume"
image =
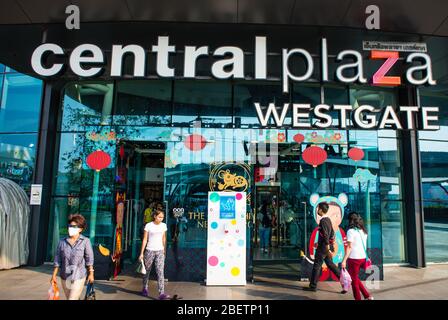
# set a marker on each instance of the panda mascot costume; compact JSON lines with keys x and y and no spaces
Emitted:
{"x":336,"y":214}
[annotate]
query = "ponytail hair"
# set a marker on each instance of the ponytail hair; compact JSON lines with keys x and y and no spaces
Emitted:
{"x":356,"y":221}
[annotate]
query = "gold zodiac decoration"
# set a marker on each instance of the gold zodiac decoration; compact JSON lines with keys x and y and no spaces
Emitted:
{"x":231,"y":181}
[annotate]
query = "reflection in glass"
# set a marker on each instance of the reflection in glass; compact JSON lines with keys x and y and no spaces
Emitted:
{"x":434,"y":162}
{"x":377,"y":98}
{"x":206,"y":101}
{"x":104,"y":217}
{"x":393,"y":230}
{"x":335,"y":95}
{"x":143,"y":102}
{"x":1,"y":87}
{"x":17,"y":158}
{"x":86,"y":104}
{"x":436,"y":96}
{"x":20,"y":103}
{"x":68,"y":176}
{"x":390,"y":169}
{"x":10,"y":70}
{"x":264,"y":93}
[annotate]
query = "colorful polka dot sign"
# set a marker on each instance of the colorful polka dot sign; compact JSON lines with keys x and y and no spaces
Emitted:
{"x":226,"y":241}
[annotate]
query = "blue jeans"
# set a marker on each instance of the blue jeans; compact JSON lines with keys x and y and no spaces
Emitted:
{"x":264,"y":236}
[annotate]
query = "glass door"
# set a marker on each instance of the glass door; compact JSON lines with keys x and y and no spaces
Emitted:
{"x":266,"y":203}
{"x":143,"y":188}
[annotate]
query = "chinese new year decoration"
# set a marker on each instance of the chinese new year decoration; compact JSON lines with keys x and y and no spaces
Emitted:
{"x":195,"y":142}
{"x":97,"y":161}
{"x":314,"y":156}
{"x":356,"y":154}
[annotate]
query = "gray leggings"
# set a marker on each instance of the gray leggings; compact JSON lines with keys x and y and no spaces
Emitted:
{"x":159,"y":258}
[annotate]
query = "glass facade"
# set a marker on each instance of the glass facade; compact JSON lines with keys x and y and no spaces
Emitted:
{"x":173,"y":141}
{"x":20,"y":101}
{"x":434,"y":162}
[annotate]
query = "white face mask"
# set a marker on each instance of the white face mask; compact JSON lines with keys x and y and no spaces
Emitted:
{"x":73,"y":231}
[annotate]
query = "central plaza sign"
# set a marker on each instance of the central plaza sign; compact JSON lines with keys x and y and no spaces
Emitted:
{"x":88,"y":60}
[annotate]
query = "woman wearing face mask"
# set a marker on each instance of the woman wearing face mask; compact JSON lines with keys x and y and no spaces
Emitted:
{"x":153,"y":250}
{"x":74,"y":257}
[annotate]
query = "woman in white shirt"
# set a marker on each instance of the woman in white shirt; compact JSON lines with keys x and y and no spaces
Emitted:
{"x":355,"y":254}
{"x":153,"y":250}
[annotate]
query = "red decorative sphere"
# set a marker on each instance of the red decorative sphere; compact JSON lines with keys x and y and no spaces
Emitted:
{"x":356,"y":154}
{"x":299,"y":138}
{"x":314,"y":156}
{"x":98,"y":160}
{"x":195,"y":142}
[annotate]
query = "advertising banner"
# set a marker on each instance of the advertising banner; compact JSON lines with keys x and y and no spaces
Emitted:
{"x":226,"y":241}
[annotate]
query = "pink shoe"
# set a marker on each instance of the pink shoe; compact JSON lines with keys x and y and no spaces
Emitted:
{"x":164,"y":296}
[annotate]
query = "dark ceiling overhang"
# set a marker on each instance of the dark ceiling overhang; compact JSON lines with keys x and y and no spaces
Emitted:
{"x":420,"y":16}
{"x":25,"y":24}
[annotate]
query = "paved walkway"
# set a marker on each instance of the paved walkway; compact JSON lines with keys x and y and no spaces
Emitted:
{"x":400,"y":283}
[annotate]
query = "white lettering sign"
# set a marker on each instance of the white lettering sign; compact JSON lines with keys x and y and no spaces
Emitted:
{"x":36,"y":194}
{"x":88,"y":60}
{"x":362,"y":117}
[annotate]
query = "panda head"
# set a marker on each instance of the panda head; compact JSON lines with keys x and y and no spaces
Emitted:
{"x":335,"y":210}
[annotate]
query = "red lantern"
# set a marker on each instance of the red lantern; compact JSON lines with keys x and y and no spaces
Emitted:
{"x":195,"y":142}
{"x":98,"y":160}
{"x":121,"y":152}
{"x":314,"y":156}
{"x":356,"y":154}
{"x":299,"y":138}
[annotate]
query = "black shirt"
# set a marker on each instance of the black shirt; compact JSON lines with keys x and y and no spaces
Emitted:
{"x":326,"y":234}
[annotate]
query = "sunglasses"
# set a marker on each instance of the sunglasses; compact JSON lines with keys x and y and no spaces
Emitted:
{"x":72,"y":226}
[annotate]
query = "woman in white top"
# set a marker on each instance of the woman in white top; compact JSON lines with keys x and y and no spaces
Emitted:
{"x":355,"y":254}
{"x":153,"y":250}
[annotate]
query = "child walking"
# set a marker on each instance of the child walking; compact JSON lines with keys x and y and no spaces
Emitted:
{"x":153,"y":250}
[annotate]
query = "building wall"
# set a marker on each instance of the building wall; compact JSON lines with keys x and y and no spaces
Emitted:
{"x":165,"y":108}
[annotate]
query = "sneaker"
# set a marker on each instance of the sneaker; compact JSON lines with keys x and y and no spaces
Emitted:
{"x":310,"y":289}
{"x":145,"y":292}
{"x":344,"y":291}
{"x":164,"y":296}
{"x":370,"y":298}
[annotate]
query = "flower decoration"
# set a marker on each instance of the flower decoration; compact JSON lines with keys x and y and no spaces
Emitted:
{"x":281,"y":137}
